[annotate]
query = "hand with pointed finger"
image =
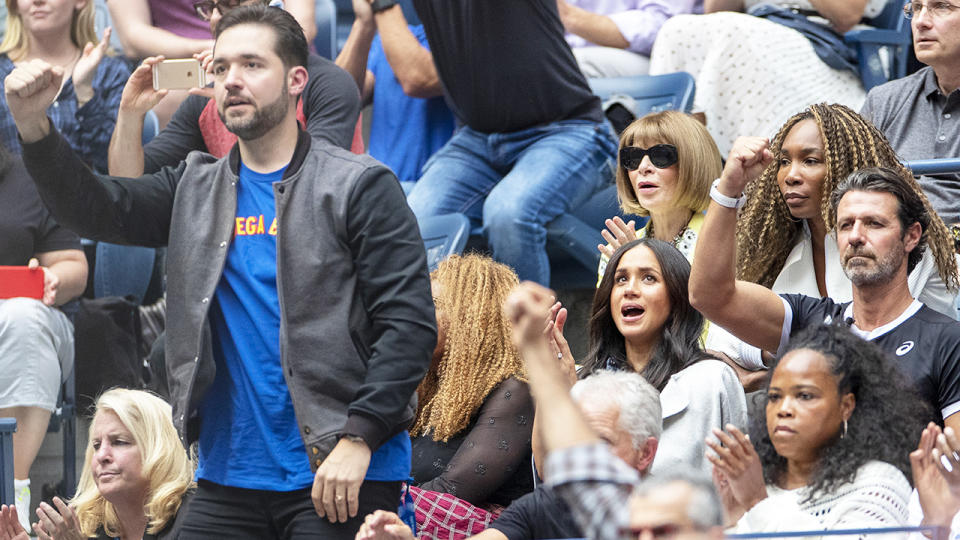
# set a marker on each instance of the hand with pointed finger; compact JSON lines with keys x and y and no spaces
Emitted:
{"x":938,"y":503}
{"x":383,"y":525}
{"x":30,"y":89}
{"x":58,"y":523}
{"x":748,"y":158}
{"x":734,"y":456}
{"x":559,"y":345}
{"x":336,"y":486}
{"x":617,"y":234}
{"x":10,"y":528}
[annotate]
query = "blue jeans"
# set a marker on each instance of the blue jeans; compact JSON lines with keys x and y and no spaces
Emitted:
{"x":515,"y":183}
{"x":123,"y":270}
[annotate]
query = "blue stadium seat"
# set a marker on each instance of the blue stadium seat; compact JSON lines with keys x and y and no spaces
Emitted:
{"x":934,"y":166}
{"x":444,"y":236}
{"x":325,"y":14}
{"x":151,"y":126}
{"x":7,"y":427}
{"x":890,"y":32}
{"x":572,"y":238}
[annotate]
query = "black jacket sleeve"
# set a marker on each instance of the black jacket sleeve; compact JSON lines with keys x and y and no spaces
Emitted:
{"x":118,"y":210}
{"x":391,"y":267}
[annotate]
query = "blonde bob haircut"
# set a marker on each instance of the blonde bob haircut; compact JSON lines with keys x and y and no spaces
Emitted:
{"x":699,"y":159}
{"x":16,"y":42}
{"x":164,"y":462}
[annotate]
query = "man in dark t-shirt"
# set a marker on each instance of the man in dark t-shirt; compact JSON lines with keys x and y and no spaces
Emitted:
{"x":534,"y":142}
{"x":880,"y":224}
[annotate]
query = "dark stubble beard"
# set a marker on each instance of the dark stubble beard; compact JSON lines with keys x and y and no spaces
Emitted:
{"x":882,"y":272}
{"x":263,"y":119}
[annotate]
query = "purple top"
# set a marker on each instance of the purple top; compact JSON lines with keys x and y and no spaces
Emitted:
{"x":638,"y":20}
{"x":179,"y":17}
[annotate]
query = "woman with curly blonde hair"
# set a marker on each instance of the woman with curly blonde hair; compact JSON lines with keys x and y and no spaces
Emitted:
{"x":135,"y":478}
{"x":471,"y":436}
{"x":785,"y":232}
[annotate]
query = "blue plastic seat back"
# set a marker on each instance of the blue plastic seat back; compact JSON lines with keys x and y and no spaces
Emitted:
{"x":890,"y":32}
{"x":651,"y":93}
{"x":325,"y":15}
{"x":7,"y":427}
{"x":934,"y":166}
{"x":443,"y":236}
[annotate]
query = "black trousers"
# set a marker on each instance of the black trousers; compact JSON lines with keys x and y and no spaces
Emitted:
{"x":222,"y":512}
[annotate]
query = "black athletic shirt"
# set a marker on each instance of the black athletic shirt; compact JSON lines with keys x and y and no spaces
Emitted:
{"x":504,"y":63}
{"x":923,"y":343}
{"x":539,"y":515}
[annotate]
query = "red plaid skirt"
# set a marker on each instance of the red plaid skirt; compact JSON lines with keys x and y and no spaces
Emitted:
{"x":441,"y":516}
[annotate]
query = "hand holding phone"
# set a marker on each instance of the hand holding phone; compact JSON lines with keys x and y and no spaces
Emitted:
{"x":179,"y":74}
{"x":21,"y":282}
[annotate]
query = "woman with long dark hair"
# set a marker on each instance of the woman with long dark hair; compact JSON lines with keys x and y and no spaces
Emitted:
{"x":833,"y":449}
{"x":642,"y":321}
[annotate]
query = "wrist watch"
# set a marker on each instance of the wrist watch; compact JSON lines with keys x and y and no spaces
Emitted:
{"x":380,"y":5}
{"x":723,"y":200}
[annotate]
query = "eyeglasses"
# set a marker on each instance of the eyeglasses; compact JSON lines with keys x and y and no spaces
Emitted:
{"x":205,"y":8}
{"x":661,"y":155}
{"x":937,"y":9}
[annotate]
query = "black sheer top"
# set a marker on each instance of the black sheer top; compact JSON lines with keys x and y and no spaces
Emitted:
{"x":488,"y":462}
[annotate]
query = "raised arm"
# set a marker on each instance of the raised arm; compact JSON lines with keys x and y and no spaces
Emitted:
{"x":412,"y":63}
{"x":353,"y":56}
{"x":304,"y":12}
{"x":749,"y":311}
{"x":126,"y":148}
{"x":131,"y":19}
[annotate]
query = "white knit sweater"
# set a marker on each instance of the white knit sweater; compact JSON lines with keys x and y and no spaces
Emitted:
{"x":878,"y":497}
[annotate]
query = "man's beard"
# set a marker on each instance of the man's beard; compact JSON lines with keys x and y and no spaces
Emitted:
{"x":882,"y":271}
{"x":263,"y":119}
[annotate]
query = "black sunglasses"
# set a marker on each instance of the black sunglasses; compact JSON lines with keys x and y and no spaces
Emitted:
{"x":661,"y":155}
{"x":205,"y":8}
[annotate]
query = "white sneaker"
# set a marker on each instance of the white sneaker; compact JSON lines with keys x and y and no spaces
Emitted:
{"x":21,"y":490}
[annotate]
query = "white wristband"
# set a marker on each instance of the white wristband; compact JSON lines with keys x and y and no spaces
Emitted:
{"x":723,"y":200}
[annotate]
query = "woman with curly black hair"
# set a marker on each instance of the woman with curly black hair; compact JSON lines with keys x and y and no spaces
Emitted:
{"x":833,"y":452}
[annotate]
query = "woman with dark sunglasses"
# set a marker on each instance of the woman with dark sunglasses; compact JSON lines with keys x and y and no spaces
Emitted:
{"x":666,"y":163}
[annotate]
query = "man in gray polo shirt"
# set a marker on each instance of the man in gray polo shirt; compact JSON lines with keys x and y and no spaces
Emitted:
{"x":920,"y":114}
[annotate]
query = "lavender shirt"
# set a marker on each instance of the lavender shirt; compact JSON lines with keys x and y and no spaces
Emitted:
{"x":638,"y":20}
{"x":179,"y":17}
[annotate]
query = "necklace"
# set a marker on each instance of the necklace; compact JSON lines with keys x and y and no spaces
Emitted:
{"x":676,"y":239}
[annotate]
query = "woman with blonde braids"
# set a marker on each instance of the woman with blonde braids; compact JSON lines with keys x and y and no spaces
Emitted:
{"x":785,"y":232}
{"x":471,"y":436}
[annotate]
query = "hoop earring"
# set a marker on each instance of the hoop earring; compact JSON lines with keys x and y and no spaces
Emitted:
{"x":844,"y":434}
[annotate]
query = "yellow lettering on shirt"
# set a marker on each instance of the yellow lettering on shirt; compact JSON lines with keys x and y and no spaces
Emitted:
{"x":240,"y":231}
{"x":273,"y":228}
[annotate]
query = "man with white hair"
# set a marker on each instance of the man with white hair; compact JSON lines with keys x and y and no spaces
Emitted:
{"x":622,"y":409}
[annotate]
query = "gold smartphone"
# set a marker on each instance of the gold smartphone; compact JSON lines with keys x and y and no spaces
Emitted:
{"x":182,"y":73}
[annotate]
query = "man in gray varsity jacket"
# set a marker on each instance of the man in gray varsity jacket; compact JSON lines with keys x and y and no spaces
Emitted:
{"x":299,"y":320}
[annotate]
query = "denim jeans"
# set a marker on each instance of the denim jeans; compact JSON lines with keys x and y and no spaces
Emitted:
{"x":123,"y":270}
{"x":515,"y":183}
